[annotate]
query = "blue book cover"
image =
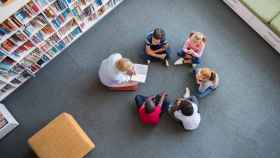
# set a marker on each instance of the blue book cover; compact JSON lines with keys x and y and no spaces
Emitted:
{"x":68,"y":1}
{"x":45,"y":58}
{"x":54,"y":50}
{"x":4,"y":66}
{"x":19,"y":16}
{"x":98,"y":2}
{"x":75,"y":12}
{"x":3,"y":31}
{"x":56,"y":23}
{"x":60,"y":45}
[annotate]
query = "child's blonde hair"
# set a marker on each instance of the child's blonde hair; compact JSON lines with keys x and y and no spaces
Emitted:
{"x":197,"y":36}
{"x":208,"y":73}
{"x":124,"y":65}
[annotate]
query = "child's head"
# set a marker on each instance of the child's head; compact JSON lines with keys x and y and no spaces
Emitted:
{"x":206,"y":74}
{"x":197,"y":37}
{"x":158,"y":35}
{"x":124,"y":65}
{"x":149,"y":106}
{"x":187,"y":110}
{"x":185,"y":106}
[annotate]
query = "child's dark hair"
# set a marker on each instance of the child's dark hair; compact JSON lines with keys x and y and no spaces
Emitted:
{"x":186,"y":108}
{"x":149,"y":106}
{"x":159,"y":33}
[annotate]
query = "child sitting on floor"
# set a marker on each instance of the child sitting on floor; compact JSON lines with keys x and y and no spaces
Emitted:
{"x":207,"y":80}
{"x":186,"y":111}
{"x":156,"y":47}
{"x":150,"y":108}
{"x":192,"y":50}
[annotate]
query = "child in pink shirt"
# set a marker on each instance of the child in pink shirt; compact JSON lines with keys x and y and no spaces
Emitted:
{"x":192,"y":50}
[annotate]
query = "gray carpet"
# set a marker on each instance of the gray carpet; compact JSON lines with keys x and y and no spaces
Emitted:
{"x":240,"y":120}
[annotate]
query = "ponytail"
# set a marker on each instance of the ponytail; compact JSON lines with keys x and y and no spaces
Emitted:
{"x":212,"y":76}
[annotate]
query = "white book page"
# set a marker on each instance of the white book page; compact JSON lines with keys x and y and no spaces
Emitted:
{"x":141,"y":72}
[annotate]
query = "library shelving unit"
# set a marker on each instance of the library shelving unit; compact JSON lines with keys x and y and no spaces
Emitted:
{"x":34,"y":32}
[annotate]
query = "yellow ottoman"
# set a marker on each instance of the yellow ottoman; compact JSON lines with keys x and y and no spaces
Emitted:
{"x":61,"y":138}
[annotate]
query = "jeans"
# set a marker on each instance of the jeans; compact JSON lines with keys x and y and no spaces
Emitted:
{"x":195,"y":60}
{"x":154,"y":59}
{"x":140,"y":99}
{"x":206,"y":92}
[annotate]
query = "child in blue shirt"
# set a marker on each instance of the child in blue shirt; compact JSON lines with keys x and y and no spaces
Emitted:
{"x":156,"y":47}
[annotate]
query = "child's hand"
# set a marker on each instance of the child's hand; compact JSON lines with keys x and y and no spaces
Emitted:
{"x":163,"y":93}
{"x":192,"y":52}
{"x":131,"y":72}
{"x":162,"y":56}
{"x":198,"y":82}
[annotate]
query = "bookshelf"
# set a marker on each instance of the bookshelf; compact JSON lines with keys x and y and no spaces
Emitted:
{"x":37,"y":31}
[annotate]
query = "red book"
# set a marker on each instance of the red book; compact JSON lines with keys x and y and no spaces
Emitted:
{"x":34,"y":7}
{"x":28,"y":44}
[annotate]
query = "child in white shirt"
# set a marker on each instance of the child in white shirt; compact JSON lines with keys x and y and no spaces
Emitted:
{"x":186,"y":111}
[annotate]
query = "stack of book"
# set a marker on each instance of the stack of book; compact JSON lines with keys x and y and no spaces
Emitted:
{"x":6,"y":28}
{"x":8,"y":45}
{"x":84,"y":15}
{"x":54,"y":39}
{"x":59,"y":5}
{"x":42,"y":34}
{"x":12,"y":72}
{"x":14,"y":42}
{"x":6,"y":64}
{"x":27,"y":12}
{"x":18,"y":38}
{"x":68,"y":27}
{"x":52,"y":52}
{"x":60,"y":45}
{"x":62,"y":18}
{"x":22,"y":49}
{"x":35,"y":25}
{"x":45,"y":46}
{"x":7,"y":88}
{"x":30,"y":61}
{"x":21,"y":78}
{"x":43,"y":3}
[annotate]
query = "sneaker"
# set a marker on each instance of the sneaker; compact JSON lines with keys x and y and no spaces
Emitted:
{"x":166,"y":63}
{"x":179,"y":61}
{"x":194,"y":66}
{"x":187,"y":93}
{"x":148,"y":62}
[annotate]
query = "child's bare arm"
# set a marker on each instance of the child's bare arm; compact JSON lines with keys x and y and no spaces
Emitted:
{"x":160,"y":50}
{"x":163,"y":95}
{"x":152,"y":53}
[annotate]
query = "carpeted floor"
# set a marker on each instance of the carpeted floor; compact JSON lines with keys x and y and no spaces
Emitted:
{"x":241,"y":120}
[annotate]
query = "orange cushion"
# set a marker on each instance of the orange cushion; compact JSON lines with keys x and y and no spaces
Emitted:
{"x":61,"y":138}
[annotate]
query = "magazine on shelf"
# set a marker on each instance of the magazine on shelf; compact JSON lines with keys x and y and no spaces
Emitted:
{"x":141,"y":72}
{"x":7,"y":121}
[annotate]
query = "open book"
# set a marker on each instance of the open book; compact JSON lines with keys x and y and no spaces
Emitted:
{"x":141,"y":72}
